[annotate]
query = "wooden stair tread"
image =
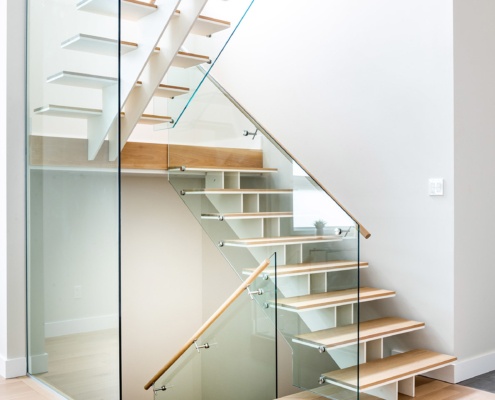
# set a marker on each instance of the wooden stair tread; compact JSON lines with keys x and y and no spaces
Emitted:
{"x":170,"y":91}
{"x":130,"y":9}
{"x":207,"y":26}
{"x":311,"y":268}
{"x":82,"y":80}
{"x":388,"y":370}
{"x":187,"y":60}
{"x":332,"y":299}
{"x":329,"y":391}
{"x":253,"y":215}
{"x":98,"y":45}
{"x":235,"y":191}
{"x":199,"y":169}
{"x":368,"y":330}
{"x":277,"y":241}
{"x":67,"y":111}
{"x":151,"y":119}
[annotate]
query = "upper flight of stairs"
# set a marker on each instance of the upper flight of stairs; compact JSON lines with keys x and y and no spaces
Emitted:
{"x":134,"y":91}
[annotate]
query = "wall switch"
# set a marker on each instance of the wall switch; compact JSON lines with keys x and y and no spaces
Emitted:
{"x":77,"y":291}
{"x":435,"y":187}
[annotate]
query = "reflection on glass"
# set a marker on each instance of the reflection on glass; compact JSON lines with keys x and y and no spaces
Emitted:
{"x":235,"y":358}
{"x":73,"y":192}
{"x":254,"y":200}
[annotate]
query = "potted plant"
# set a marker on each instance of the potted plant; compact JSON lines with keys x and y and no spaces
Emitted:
{"x":319,"y":225}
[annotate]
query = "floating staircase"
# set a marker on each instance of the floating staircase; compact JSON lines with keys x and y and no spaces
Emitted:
{"x":306,"y":293}
{"x":249,"y":210}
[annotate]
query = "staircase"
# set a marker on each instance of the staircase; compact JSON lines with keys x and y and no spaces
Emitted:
{"x":249,"y":194}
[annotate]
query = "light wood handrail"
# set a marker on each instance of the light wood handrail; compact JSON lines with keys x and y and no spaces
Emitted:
{"x":362,"y":230}
{"x":209,"y":322}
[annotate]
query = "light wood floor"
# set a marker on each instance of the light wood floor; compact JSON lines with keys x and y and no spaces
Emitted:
{"x":84,"y":366}
{"x":25,"y":389}
{"x":429,"y":389}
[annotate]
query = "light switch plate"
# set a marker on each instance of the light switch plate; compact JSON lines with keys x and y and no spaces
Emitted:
{"x":435,"y":187}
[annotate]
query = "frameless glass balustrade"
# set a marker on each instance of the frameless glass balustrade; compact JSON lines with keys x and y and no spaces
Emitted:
{"x":253,"y":199}
{"x":72,"y":199}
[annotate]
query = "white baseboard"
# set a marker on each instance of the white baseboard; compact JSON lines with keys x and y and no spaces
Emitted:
{"x":13,"y":367}
{"x":474,"y":366}
{"x":81,"y":325}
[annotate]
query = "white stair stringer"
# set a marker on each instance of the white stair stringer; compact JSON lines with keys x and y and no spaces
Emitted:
{"x":149,"y":30}
{"x":158,"y":65}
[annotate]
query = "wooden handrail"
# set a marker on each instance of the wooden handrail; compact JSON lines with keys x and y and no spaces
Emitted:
{"x":210,"y":321}
{"x":364,"y":232}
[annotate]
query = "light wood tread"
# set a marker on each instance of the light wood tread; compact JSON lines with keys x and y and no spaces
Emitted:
{"x":329,"y":392}
{"x":186,"y":60}
{"x":164,"y":86}
{"x":207,"y":26}
{"x":151,"y":119}
{"x":130,"y":9}
{"x":141,"y":3}
{"x":388,"y":370}
{"x":253,"y":215}
{"x":98,"y":45}
{"x":81,"y":79}
{"x":312,"y":268}
{"x":277,"y":241}
{"x":222,"y":169}
{"x":235,"y":191}
{"x":333,"y":299}
{"x":67,"y":111}
{"x":368,"y":330}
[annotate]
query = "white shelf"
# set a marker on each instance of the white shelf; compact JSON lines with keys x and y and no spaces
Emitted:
{"x":97,"y":45}
{"x":130,"y":9}
{"x":81,"y":80}
{"x":70,"y":112}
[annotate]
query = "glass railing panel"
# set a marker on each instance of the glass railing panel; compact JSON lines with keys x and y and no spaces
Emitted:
{"x":72,"y":199}
{"x":236,"y":355}
{"x":253,"y":199}
{"x":209,"y":36}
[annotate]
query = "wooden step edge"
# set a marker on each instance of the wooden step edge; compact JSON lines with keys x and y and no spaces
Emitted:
{"x":387,"y":370}
{"x":210,"y":19}
{"x":255,"y":215}
{"x":68,"y":111}
{"x":285,"y":240}
{"x":329,"y":392}
{"x":235,"y":191}
{"x":223,"y":169}
{"x":333,"y":299}
{"x":163,"y":86}
{"x":192,"y":55}
{"x":145,"y":118}
{"x":142,"y":3}
{"x":311,"y":268}
{"x":368,"y":330}
{"x":79,"y":75}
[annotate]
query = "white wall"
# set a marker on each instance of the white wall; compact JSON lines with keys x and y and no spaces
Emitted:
{"x":474,"y":38}
{"x":361,"y":93}
{"x":12,"y":276}
{"x":161,"y":244}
